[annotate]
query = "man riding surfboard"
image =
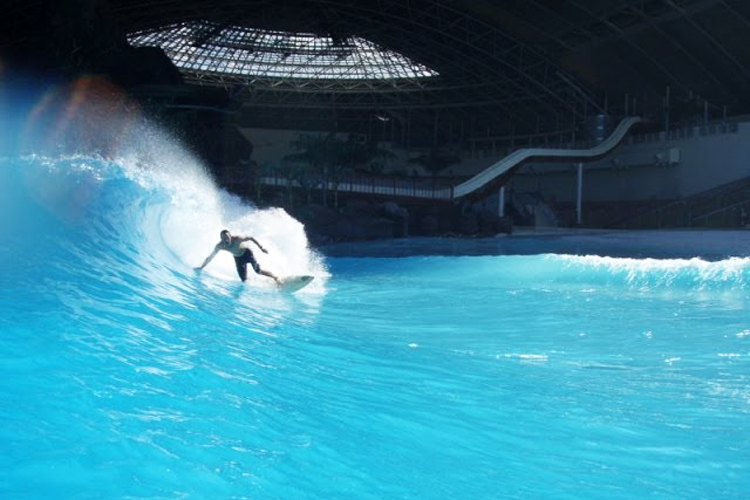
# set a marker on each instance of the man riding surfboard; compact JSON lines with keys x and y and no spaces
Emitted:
{"x":241,"y":253}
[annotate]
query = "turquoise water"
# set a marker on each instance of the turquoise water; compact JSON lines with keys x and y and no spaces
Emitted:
{"x":461,"y":374}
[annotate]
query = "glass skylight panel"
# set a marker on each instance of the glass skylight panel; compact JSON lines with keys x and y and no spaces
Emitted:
{"x":206,"y":47}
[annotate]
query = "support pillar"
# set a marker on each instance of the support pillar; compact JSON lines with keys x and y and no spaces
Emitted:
{"x":666,"y":115}
{"x":579,"y":194}
{"x":501,"y":203}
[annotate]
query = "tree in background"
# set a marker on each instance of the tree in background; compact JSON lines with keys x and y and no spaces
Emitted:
{"x":258,"y":171}
{"x":286,"y":170}
{"x":328,"y":157}
{"x":436,"y":161}
{"x":353,"y":154}
{"x":313,"y":151}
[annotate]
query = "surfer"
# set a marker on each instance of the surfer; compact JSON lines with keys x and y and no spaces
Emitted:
{"x":242,"y":254}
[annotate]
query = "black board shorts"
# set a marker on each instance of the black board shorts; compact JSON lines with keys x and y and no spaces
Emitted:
{"x":242,"y":261}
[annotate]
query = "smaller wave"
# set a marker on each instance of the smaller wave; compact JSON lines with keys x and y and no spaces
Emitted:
{"x":694,"y":273}
{"x":587,"y":272}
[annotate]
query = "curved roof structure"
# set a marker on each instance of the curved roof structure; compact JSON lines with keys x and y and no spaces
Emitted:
{"x":232,"y":54}
{"x":469,"y":68}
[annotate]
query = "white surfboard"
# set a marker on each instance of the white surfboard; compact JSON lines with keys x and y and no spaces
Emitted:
{"x":293,"y":283}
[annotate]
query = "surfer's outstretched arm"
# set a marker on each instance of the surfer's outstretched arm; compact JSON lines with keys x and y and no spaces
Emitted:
{"x":250,"y":238}
{"x":209,"y":258}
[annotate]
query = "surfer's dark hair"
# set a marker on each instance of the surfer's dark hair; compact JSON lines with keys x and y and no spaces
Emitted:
{"x":224,"y":231}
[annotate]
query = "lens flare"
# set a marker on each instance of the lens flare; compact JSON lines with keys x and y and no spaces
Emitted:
{"x":88,"y":116}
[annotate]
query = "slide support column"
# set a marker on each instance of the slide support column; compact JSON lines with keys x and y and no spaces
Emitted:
{"x":579,"y":194}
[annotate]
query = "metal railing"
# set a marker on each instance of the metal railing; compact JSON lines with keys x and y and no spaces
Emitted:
{"x":735,"y":215}
{"x":702,"y":209}
{"x":438,"y":188}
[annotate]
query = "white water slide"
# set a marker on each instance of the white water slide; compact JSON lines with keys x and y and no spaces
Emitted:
{"x":515,"y":158}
